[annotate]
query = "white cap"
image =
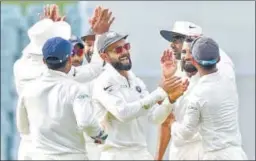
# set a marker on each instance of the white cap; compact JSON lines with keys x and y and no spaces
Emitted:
{"x":182,"y":28}
{"x":43,"y":30}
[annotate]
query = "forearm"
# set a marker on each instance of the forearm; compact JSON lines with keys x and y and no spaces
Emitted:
{"x":160,"y":112}
{"x":96,"y":56}
{"x":85,"y":115}
{"x":189,"y":126}
{"x":182,"y":131}
{"x":128,"y":111}
{"x":85,"y":73}
{"x":92,"y":129}
{"x":164,"y":139}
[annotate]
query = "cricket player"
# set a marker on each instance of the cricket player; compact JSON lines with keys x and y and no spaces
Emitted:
{"x":186,"y":149}
{"x":88,"y":39}
{"x":212,"y":109}
{"x":189,"y":150}
{"x":125,"y":104}
{"x":78,"y":58}
{"x":100,"y":23}
{"x":30,"y":66}
{"x":58,"y":112}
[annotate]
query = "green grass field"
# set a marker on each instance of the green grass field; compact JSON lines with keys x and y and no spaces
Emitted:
{"x":24,"y":4}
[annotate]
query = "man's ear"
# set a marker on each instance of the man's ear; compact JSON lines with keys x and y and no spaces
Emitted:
{"x":193,"y":61}
{"x":218,"y":59}
{"x":69,"y":60}
{"x":104,"y":56}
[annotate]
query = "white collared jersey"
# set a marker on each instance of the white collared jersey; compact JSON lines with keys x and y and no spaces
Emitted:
{"x":226,"y":69}
{"x":55,"y":110}
{"x":125,"y":108}
{"x":213,"y":110}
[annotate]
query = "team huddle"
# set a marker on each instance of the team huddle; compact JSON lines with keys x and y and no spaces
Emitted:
{"x":80,"y":100}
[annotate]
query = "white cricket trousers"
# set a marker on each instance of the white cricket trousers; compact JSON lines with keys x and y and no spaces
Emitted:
{"x":189,"y":151}
{"x":78,"y":156}
{"x":126,"y":154}
{"x":25,"y":150}
{"x":93,"y":150}
{"x":230,"y":153}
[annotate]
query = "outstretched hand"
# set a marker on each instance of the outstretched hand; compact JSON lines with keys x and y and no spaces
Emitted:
{"x":177,"y":92}
{"x":52,"y":12}
{"x":168,"y":64}
{"x":101,"y":20}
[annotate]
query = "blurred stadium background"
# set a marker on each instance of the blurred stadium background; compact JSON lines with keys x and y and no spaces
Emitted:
{"x":232,"y":24}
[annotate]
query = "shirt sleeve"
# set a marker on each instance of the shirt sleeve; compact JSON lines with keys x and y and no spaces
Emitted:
{"x":114,"y":102}
{"x":96,"y":56}
{"x":85,"y":114}
{"x":189,"y":126}
{"x":22,"y":117}
{"x":226,"y":66}
{"x":159,"y":113}
{"x":85,"y":73}
{"x":88,"y":72}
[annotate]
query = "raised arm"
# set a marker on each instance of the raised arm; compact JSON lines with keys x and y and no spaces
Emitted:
{"x":168,"y":63}
{"x":100,"y":23}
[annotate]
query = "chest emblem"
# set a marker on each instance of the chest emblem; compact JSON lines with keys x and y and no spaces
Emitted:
{"x":138,"y":89}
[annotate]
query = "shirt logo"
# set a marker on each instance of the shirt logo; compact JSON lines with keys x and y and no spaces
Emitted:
{"x":138,"y":89}
{"x":106,"y":88}
{"x":192,"y":108}
{"x":146,"y":107}
{"x":112,"y":34}
{"x":191,"y":27}
{"x":83,"y":96}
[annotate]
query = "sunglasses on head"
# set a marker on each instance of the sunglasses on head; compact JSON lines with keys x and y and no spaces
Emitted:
{"x":120,"y":49}
{"x":77,"y":51}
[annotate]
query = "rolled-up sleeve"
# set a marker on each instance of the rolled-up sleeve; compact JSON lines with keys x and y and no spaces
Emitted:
{"x":115,"y":103}
{"x":22,"y":117}
{"x":85,"y":115}
{"x":186,"y":129}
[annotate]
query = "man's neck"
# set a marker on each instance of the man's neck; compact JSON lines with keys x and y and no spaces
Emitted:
{"x":63,"y":70}
{"x":191,"y":74}
{"x":206,"y":72}
{"x":123,"y":73}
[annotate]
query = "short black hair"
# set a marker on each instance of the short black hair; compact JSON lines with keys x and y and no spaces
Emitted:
{"x":189,"y":39}
{"x":179,"y":37}
{"x":80,"y":45}
{"x":55,"y":66}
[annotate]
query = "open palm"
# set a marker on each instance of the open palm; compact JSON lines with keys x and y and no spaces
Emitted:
{"x":168,"y":64}
{"x":52,"y":12}
{"x":101,"y":20}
